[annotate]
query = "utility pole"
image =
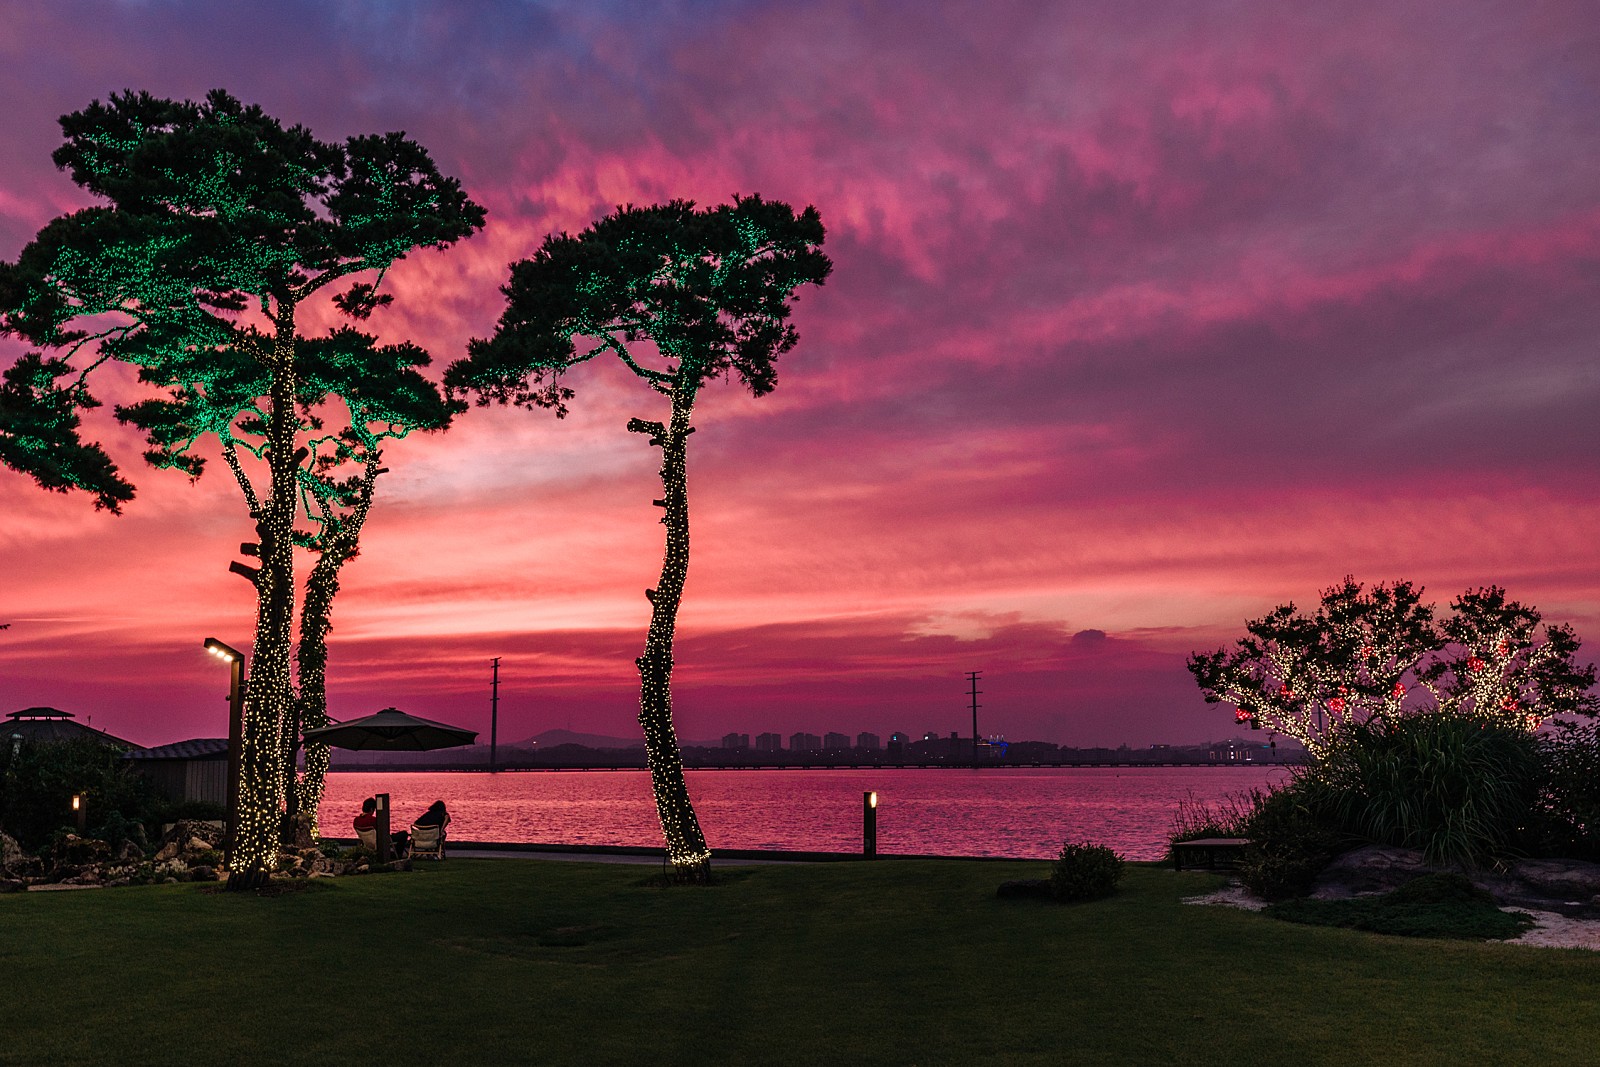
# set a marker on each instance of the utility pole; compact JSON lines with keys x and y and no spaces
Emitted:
{"x":972,"y":679}
{"x":494,"y":711}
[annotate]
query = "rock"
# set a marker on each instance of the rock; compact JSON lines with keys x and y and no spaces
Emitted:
{"x":397,"y":865}
{"x":203,"y":873}
{"x":12,"y":885}
{"x":10,"y":852}
{"x":1369,"y":870}
{"x":1026,"y":888}
{"x":169,"y":880}
{"x":168,"y":851}
{"x":197,"y":845}
{"x":1571,"y":880}
{"x":130,"y":851}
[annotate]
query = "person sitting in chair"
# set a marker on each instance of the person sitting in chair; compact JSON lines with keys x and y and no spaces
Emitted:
{"x":435,"y":817}
{"x":368,"y":821}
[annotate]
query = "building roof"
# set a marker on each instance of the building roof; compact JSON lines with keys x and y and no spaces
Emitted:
{"x":52,"y":724}
{"x":197,"y":748}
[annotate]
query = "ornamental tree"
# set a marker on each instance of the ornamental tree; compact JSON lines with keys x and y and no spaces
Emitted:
{"x":681,"y":296}
{"x":1368,"y":656}
{"x":1305,"y":675}
{"x":216,"y":225}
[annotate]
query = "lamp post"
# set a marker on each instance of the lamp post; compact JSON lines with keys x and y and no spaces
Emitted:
{"x":235,"y":661}
{"x":869,"y":824}
{"x":79,"y":812}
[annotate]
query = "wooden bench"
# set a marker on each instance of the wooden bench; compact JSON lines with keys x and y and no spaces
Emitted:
{"x":1209,"y":853}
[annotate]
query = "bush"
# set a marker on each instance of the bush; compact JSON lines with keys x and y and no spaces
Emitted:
{"x":1460,"y":789}
{"x":1290,"y":843}
{"x":37,"y":781}
{"x":1434,"y":905}
{"x":1085,"y":872}
{"x":1569,"y":795}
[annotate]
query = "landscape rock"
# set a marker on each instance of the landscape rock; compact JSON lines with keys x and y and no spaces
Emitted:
{"x":12,"y":885}
{"x":130,"y":851}
{"x":1566,"y":887}
{"x":203,"y":873}
{"x":1369,"y":870}
{"x":168,"y":851}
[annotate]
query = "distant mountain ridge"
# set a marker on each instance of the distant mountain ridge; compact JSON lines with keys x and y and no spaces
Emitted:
{"x":552,"y":738}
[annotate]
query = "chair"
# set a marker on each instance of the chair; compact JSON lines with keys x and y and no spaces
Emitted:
{"x":428,"y":841}
{"x":368,"y":837}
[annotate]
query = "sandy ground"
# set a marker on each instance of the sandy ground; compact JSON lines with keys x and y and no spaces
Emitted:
{"x":1550,"y":929}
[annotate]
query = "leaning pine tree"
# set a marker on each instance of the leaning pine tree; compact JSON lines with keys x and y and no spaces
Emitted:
{"x":680,"y":296}
{"x":217,"y":225}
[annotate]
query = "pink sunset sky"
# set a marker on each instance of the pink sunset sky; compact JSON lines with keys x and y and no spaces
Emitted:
{"x":1144,"y":318}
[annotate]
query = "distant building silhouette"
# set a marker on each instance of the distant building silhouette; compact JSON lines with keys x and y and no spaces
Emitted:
{"x":835,"y":742}
{"x":867,"y":742}
{"x":48,"y":725}
{"x":804,"y":742}
{"x":769,"y":743}
{"x":736,"y":742}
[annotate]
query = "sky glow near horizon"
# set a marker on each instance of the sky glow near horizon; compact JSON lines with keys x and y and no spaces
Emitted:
{"x":1144,"y":318}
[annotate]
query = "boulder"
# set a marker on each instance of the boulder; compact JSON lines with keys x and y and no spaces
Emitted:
{"x":12,"y":885}
{"x":1369,"y":870}
{"x":1571,"y":887}
{"x":11,"y":853}
{"x":203,"y":874}
{"x":1573,"y":881}
{"x":130,"y":851}
{"x":167,"y":852}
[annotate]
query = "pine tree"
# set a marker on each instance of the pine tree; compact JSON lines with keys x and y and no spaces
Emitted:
{"x":216,"y":225}
{"x":681,"y":296}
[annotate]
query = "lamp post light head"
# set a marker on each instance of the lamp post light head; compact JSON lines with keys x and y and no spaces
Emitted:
{"x":872,"y":800}
{"x":226,"y":653}
{"x":77,"y":802}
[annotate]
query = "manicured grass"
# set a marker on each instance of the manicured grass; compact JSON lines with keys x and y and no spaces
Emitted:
{"x":513,"y":961}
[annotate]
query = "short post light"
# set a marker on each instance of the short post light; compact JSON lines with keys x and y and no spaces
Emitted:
{"x":235,"y":661}
{"x":79,"y":812}
{"x":382,"y":813}
{"x":869,"y":824}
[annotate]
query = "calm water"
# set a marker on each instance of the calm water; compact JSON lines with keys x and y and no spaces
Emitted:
{"x":1018,"y":813}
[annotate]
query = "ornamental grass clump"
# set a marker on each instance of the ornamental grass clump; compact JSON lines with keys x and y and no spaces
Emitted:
{"x":1461,"y":789}
{"x":1085,"y":872}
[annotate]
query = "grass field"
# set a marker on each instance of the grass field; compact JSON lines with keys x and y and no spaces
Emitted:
{"x":902,"y":962}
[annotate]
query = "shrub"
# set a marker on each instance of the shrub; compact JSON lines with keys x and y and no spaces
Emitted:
{"x":1085,"y":872}
{"x":1460,"y":789}
{"x":37,"y":781}
{"x":1290,"y":843}
{"x":1569,"y":795}
{"x":1434,"y":905}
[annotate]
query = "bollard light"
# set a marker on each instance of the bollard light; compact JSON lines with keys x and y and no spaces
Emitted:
{"x":869,"y":824}
{"x":79,"y":811}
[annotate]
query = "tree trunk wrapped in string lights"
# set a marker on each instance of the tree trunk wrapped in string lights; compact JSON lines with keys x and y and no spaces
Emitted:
{"x":217,"y":223}
{"x":680,"y":296}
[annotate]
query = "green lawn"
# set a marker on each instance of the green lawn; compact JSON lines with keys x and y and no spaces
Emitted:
{"x":904,"y":962}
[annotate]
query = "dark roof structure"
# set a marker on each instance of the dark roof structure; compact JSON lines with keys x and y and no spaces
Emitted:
{"x":49,"y":725}
{"x":198,"y":748}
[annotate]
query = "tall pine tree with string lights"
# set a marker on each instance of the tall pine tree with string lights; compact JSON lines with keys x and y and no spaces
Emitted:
{"x":681,"y":296}
{"x":216,"y":224}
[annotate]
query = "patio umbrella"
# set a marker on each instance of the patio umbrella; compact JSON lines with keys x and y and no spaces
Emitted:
{"x":392,"y":730}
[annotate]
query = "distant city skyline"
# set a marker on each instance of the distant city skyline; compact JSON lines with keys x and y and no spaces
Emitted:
{"x":1143,"y":319}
